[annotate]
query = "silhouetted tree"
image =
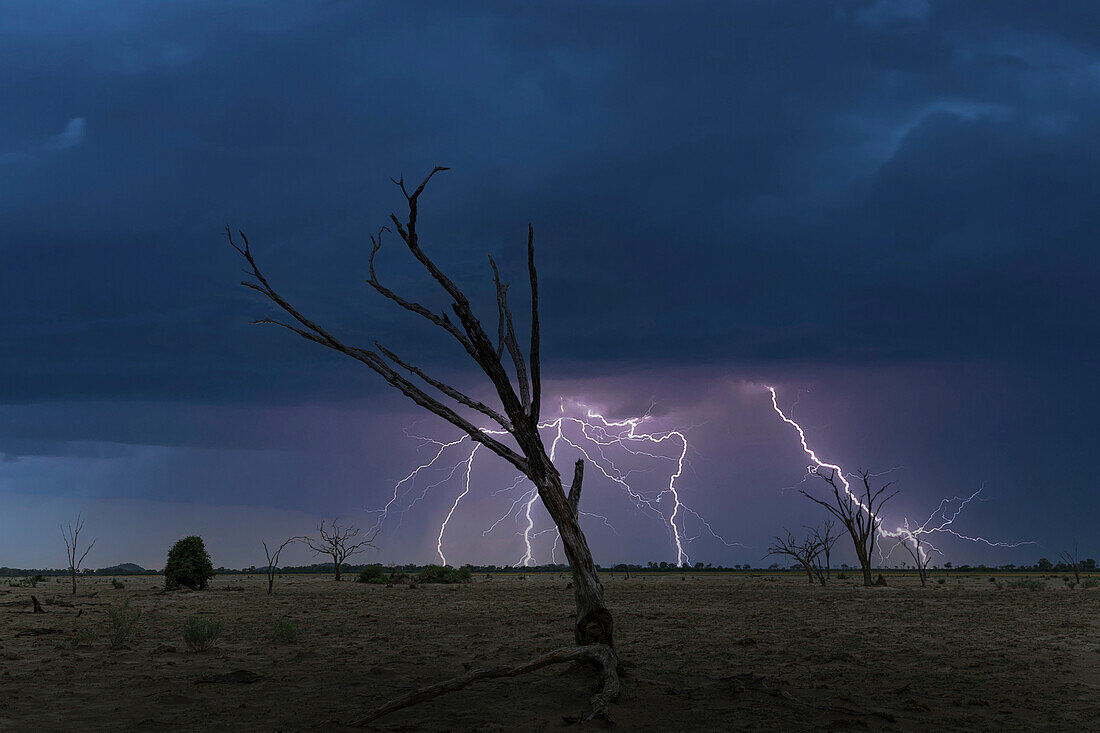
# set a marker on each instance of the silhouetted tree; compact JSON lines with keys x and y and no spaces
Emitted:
{"x":273,"y":560}
{"x":188,"y":565}
{"x":519,"y":419}
{"x":807,"y":552}
{"x":826,"y":537}
{"x":1072,"y":561}
{"x":337,"y":542}
{"x":918,"y":550}
{"x":857,"y":513}
{"x":71,"y":535}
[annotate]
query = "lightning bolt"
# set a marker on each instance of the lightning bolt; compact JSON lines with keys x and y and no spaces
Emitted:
{"x":594,"y":437}
{"x":939,"y":521}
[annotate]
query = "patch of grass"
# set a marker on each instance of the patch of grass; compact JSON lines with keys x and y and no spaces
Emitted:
{"x":117,"y":584}
{"x":1026,"y":584}
{"x":941,"y":581}
{"x":123,"y":620}
{"x":443,"y":574}
{"x":82,"y":637}
{"x":285,"y":632}
{"x":200,"y":633}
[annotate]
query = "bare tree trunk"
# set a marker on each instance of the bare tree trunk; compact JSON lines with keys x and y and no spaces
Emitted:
{"x":73,"y":573}
{"x":865,"y":563}
{"x":336,"y":562}
{"x":594,"y":623}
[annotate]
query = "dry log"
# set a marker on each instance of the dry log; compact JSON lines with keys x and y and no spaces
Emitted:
{"x":600,"y":654}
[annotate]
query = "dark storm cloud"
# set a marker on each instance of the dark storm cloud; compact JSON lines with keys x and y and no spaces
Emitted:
{"x":716,"y":182}
{"x":891,"y":200}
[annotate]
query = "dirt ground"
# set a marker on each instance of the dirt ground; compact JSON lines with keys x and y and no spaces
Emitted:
{"x":704,"y":652}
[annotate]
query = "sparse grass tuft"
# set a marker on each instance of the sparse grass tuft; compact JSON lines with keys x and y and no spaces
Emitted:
{"x":1027,"y":584}
{"x":286,"y":632}
{"x":123,"y":621}
{"x":117,"y":584}
{"x":200,"y":633}
{"x":82,"y":637}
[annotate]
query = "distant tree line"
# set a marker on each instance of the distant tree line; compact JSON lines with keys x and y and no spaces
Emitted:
{"x":1086,"y":565}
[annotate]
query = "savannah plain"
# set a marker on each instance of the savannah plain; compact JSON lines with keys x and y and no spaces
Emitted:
{"x":705,"y":652}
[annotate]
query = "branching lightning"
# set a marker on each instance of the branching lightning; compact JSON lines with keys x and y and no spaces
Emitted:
{"x":915,"y":536}
{"x":595,"y":438}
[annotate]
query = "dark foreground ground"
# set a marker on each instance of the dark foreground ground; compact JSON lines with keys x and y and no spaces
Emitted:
{"x":709,"y":652}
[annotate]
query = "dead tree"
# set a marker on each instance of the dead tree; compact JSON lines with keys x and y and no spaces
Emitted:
{"x":1073,"y":561}
{"x":807,"y":552}
{"x":857,"y":512}
{"x":917,"y":550}
{"x":273,"y":560}
{"x":517,"y":415}
{"x":71,"y":535}
{"x":826,"y":537}
{"x":339,"y":543}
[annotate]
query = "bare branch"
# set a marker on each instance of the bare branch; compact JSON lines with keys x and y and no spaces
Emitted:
{"x":575,"y":488}
{"x":601,"y":654}
{"x":446,"y":389}
{"x":510,"y":341}
{"x":536,"y":367}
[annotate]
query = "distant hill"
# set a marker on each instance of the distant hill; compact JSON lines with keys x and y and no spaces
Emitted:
{"x":126,"y":568}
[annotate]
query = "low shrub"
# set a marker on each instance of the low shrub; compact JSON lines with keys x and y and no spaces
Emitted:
{"x":123,"y":620}
{"x":117,"y":584}
{"x":372,"y":574}
{"x":1089,"y":583}
{"x":285,"y":632}
{"x":444,"y":574}
{"x":81,"y":637}
{"x":200,"y":633}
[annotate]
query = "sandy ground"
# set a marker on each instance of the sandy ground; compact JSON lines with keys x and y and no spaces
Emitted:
{"x":701,"y":653}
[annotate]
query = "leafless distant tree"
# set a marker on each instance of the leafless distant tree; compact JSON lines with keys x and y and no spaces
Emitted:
{"x":273,"y":560}
{"x":918,"y":550}
{"x":807,"y":552}
{"x":71,"y":535}
{"x":337,"y":542}
{"x":1073,"y":560}
{"x":858,"y":511}
{"x":517,"y":417}
{"x":826,"y":537}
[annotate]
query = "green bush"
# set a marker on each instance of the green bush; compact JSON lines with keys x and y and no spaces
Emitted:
{"x":286,"y":632}
{"x":200,"y":633}
{"x":1089,"y":583}
{"x":117,"y":584}
{"x":123,"y":620}
{"x":188,"y":565}
{"x":444,"y":574}
{"x":372,"y":574}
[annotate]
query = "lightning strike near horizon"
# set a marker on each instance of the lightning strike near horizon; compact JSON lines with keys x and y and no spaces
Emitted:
{"x":939,"y":521}
{"x":594,"y":438}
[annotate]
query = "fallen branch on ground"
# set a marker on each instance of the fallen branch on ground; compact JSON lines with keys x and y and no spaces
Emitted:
{"x":601,"y":654}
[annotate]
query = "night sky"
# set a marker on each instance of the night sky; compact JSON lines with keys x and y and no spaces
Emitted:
{"x":887,"y":210}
